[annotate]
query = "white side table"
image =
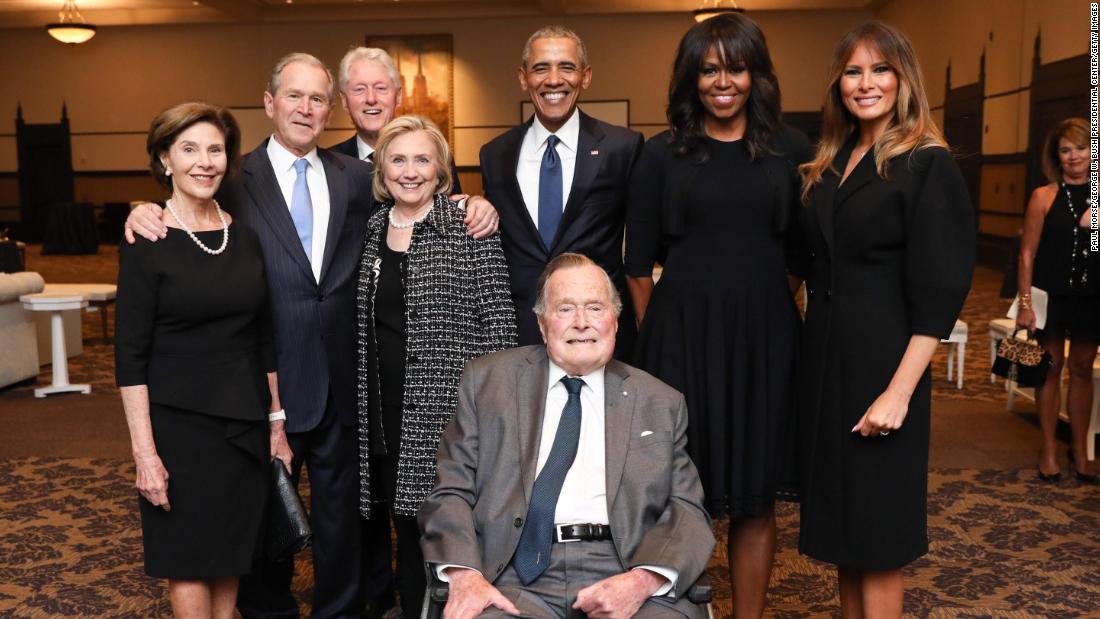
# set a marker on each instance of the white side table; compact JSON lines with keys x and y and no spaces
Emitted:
{"x":55,"y":303}
{"x":98,"y":296}
{"x":956,"y":351}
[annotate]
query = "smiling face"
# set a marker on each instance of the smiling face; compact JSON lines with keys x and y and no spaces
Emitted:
{"x":579,"y":323}
{"x":301,"y":107}
{"x":197,"y":160}
{"x":410,"y":169}
{"x":869,"y":88}
{"x":1074,"y":159}
{"x":370,"y":98}
{"x":723,"y":91}
{"x":553,"y":78}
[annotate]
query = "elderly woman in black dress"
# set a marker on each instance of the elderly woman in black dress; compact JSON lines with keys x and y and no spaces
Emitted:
{"x":1056,"y":257}
{"x":891,"y":234}
{"x":430,"y":298}
{"x":713,"y":200}
{"x":195,"y":366}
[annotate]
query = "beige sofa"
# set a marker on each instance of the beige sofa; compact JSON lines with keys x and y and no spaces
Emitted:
{"x":18,"y":335}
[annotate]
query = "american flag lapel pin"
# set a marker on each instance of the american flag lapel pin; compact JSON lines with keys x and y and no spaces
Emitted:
{"x":594,"y":152}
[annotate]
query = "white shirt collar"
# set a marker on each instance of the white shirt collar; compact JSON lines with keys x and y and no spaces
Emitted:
{"x":283,"y":160}
{"x":365,"y":149}
{"x":569,"y":133}
{"x":593,"y":380}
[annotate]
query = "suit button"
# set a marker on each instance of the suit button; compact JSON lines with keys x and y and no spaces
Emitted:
{"x":810,"y":291}
{"x":518,"y":522}
{"x":413,"y":314}
{"x":321,"y":298}
{"x":813,"y":254}
{"x":828,"y":294}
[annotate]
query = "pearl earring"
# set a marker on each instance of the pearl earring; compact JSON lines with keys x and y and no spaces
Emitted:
{"x":167,"y":172}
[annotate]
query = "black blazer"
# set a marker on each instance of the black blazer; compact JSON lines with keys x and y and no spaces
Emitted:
{"x":591,"y":224}
{"x":314,"y":321}
{"x":351,"y":149}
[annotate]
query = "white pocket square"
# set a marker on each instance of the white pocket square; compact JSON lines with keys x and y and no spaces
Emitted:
{"x":646,"y":433}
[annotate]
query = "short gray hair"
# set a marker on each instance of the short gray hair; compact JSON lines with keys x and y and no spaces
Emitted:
{"x":310,"y":59}
{"x":570,"y":260}
{"x":554,"y":32}
{"x":370,"y":54}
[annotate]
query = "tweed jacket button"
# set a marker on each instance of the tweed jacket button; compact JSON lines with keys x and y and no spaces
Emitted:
{"x":518,"y":522}
{"x":413,"y":358}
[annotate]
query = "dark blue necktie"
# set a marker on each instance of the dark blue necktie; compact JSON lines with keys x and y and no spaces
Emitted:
{"x":533,"y":552}
{"x":550,"y":202}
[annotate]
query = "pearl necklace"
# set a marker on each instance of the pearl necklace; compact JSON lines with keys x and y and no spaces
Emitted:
{"x":221,"y":218}
{"x":410,"y":223}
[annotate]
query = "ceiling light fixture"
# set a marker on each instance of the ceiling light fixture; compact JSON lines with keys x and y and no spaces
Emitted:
{"x":714,"y":8}
{"x":70,"y":27}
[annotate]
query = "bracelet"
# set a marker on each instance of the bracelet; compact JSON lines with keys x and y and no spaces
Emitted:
{"x":279,"y":415}
{"x":1025,"y":301}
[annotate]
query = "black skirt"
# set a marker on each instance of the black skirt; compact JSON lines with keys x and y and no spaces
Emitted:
{"x":217,"y":489}
{"x":1076,"y":318}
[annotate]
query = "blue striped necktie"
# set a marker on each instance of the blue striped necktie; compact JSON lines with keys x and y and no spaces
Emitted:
{"x":533,"y":552}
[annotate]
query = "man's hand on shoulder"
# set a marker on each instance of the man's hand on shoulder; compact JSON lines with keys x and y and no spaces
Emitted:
{"x":470,"y":594}
{"x":619,"y":596}
{"x":145,"y":220}
{"x":481,"y":218}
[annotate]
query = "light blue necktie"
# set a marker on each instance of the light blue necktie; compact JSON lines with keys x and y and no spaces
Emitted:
{"x":550,"y":190}
{"x":301,"y":208}
{"x":533,"y":552}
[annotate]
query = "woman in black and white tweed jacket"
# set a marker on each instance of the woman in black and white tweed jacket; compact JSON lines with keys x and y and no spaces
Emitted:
{"x":430,"y":298}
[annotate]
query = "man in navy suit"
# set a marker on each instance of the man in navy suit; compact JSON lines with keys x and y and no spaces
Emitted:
{"x":309,"y":208}
{"x":559,"y":181}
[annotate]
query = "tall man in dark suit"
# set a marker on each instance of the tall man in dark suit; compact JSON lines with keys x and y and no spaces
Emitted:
{"x":559,"y":181}
{"x":562,"y":444}
{"x":309,"y":208}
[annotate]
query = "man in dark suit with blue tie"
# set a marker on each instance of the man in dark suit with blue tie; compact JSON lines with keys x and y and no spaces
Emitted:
{"x":559,"y":181}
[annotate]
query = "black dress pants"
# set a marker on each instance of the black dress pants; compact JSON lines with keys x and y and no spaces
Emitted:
{"x":331,"y":453}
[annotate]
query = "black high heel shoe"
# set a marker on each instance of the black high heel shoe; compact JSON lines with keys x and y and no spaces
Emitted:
{"x":1091,"y":479}
{"x":1052,"y":478}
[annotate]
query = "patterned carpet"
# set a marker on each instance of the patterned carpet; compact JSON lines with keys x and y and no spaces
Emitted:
{"x":1002,"y":544}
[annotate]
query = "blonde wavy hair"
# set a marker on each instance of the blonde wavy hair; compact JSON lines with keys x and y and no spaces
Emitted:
{"x":398,"y":127}
{"x":912,"y":127}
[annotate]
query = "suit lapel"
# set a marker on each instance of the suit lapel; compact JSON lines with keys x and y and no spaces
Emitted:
{"x":860,"y":176}
{"x":338,"y":206}
{"x":510,"y":164}
{"x":618,"y":411}
{"x":262,"y":186}
{"x":530,"y":407}
{"x":584,"y":172}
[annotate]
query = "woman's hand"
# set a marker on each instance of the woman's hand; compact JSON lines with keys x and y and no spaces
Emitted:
{"x":152,"y":480}
{"x":885,"y":415}
{"x":1025,"y":319}
{"x":280,"y":448}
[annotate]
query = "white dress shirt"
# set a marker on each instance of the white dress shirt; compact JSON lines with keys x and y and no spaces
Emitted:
{"x":282,"y":163}
{"x":583,"y":495}
{"x":531,"y":151}
{"x":365,"y":150}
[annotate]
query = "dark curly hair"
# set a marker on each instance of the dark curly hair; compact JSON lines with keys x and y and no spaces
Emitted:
{"x":738,"y":40}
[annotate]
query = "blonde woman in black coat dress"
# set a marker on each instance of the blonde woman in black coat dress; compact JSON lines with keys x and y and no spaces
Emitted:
{"x":891,"y":234}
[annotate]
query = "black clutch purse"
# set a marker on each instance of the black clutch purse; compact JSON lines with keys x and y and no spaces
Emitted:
{"x":1022,"y":361}
{"x":288,"y":529}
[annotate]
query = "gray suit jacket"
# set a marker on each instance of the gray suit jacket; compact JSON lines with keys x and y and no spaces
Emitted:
{"x":488,"y":455}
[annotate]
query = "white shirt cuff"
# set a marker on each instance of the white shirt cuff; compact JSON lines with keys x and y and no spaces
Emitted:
{"x":668,"y":573}
{"x":441,"y":571}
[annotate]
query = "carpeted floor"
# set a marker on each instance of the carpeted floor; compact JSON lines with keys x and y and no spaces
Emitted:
{"x":1002,"y":544}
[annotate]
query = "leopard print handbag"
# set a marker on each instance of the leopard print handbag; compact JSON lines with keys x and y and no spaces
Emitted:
{"x":1022,"y":361}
